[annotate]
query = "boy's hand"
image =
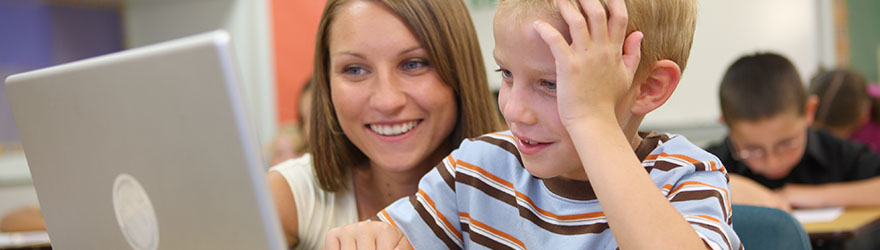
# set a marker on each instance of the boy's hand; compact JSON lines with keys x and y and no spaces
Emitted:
{"x":592,"y":74}
{"x":801,"y":196}
{"x":366,"y":235}
{"x":748,"y":192}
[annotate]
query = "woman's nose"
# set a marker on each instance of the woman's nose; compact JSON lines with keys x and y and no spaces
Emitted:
{"x":388,"y":96}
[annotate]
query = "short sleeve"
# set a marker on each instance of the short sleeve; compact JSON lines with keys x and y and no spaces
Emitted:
{"x":429,"y":218}
{"x":864,"y":163}
{"x":703,"y":198}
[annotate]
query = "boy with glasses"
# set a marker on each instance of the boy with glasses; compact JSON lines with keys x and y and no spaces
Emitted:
{"x":775,"y":160}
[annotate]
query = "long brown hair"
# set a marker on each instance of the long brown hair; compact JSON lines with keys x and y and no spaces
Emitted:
{"x":843,"y":98}
{"x":444,"y":28}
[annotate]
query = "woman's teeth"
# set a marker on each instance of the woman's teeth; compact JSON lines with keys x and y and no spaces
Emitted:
{"x":395,"y":129}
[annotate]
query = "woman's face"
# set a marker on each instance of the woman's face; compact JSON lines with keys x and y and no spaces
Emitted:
{"x":388,"y":97}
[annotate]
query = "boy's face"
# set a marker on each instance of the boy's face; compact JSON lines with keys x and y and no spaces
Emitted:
{"x":770,"y":147}
{"x":527,"y":98}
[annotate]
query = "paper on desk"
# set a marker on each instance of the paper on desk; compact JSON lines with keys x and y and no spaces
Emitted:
{"x":23,"y":239}
{"x":817,"y":214}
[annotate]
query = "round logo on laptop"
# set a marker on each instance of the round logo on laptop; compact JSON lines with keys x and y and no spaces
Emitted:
{"x":135,"y":214}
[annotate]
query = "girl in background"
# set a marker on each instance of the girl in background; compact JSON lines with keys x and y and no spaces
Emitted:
{"x":849,"y":106}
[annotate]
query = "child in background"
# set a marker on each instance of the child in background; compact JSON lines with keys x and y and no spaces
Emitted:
{"x":572,"y":145}
{"x":292,"y":139}
{"x":847,"y":108}
{"x":774,"y":158}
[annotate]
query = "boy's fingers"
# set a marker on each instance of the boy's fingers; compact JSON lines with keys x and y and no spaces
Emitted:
{"x":617,"y":21}
{"x":577,"y":25}
{"x":632,"y":50}
{"x":347,"y":243}
{"x":388,"y":239}
{"x":558,"y":46}
{"x":365,"y":238}
{"x":597,"y":19}
{"x":403,"y":244}
{"x":385,"y":243}
{"x":331,"y":245}
{"x":365,"y":242}
{"x":331,"y":241}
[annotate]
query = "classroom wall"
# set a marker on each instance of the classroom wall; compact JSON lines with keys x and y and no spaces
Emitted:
{"x":37,"y":34}
{"x":725,"y":31}
{"x":294,"y":25}
{"x":248,"y":22}
{"x":864,"y":19}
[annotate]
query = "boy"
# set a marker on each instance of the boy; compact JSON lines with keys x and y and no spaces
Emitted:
{"x":572,"y":171}
{"x":765,"y":106}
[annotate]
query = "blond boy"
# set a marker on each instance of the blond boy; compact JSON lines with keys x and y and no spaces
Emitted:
{"x":573,"y":171}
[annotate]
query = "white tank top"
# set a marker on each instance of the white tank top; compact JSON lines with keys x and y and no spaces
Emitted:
{"x":317,"y":211}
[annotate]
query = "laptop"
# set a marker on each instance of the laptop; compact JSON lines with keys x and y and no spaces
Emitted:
{"x":146,"y":149}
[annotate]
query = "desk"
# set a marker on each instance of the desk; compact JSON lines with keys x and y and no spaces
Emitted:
{"x":851,"y":224}
{"x":35,"y":240}
{"x":16,"y":191}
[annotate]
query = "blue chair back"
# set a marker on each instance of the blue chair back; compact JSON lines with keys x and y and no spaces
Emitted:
{"x":768,"y":228}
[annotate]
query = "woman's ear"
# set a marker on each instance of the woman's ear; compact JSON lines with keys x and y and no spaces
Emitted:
{"x":657,"y":86}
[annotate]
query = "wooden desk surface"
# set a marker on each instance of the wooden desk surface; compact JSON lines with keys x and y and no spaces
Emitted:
{"x":853,"y":221}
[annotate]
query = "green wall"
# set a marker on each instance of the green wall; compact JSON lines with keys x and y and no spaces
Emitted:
{"x":864,"y":35}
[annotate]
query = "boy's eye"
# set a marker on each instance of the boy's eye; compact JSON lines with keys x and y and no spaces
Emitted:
{"x":549,"y":85}
{"x":413,"y":65}
{"x":505,"y":74}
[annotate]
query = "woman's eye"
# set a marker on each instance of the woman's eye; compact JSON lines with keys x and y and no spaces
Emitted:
{"x":414,"y":65}
{"x":549,"y":85}
{"x":354,"y":70}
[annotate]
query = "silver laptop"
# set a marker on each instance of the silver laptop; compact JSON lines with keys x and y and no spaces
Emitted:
{"x":146,"y":149}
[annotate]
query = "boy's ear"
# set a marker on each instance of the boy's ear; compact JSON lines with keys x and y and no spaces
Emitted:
{"x":810,"y":108}
{"x":657,"y":86}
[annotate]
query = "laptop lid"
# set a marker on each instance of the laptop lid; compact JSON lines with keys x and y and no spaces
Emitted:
{"x":146,"y":149}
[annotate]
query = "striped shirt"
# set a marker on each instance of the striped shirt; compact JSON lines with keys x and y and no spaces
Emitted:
{"x":481,"y":197}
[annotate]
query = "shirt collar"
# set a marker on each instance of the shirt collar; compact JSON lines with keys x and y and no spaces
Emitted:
{"x":814,"y":150}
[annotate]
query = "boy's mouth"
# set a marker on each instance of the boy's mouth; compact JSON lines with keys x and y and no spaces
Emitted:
{"x":531,"y":147}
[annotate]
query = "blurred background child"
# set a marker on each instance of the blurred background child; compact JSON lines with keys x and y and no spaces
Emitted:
{"x":849,"y":106}
{"x":292,"y":139}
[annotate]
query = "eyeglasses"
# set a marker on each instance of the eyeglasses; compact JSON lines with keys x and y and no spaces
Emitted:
{"x":760,"y":153}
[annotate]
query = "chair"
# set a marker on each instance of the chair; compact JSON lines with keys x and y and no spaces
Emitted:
{"x":768,"y":228}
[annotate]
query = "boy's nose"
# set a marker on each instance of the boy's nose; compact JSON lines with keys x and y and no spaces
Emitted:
{"x":387,"y":95}
{"x":772,"y":161}
{"x":516,"y":108}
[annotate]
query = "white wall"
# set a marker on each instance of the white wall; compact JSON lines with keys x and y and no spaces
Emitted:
{"x":725,"y":31}
{"x":482,"y":16}
{"x":798,"y":29}
{"x":247,"y":21}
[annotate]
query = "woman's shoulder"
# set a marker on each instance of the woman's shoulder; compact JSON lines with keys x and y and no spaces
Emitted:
{"x":302,"y":163}
{"x":296,"y":169}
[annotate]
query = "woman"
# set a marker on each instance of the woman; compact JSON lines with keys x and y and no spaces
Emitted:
{"x":398,"y":84}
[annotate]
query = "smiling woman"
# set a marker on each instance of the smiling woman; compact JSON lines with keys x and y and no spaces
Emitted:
{"x":394,"y":93}
{"x":390,"y":102}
